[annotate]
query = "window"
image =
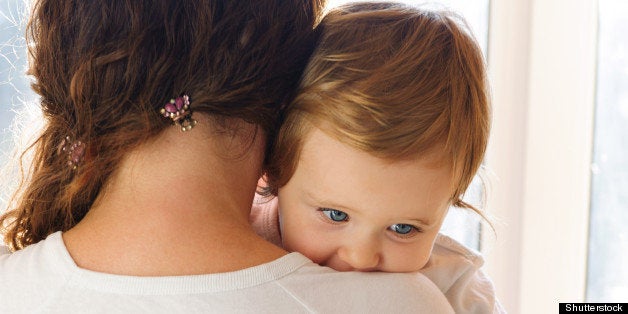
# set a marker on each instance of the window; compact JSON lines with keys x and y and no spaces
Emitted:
{"x":607,"y":274}
{"x":14,"y":85}
{"x":542,"y":65}
{"x":13,"y":82}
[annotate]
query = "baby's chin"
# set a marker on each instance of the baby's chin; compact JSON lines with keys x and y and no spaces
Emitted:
{"x":386,"y":269}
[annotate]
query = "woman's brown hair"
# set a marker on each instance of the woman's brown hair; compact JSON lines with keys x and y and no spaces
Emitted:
{"x":394,"y":81}
{"x":103,"y":69}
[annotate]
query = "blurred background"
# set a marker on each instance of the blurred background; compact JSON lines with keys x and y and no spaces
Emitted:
{"x":558,"y":156}
{"x":14,"y":85}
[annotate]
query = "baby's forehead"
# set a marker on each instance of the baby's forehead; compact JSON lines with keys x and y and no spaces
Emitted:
{"x":331,"y":170}
{"x":435,"y":155}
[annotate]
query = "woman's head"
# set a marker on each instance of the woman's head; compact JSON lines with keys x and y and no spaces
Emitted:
{"x":396,"y":82}
{"x":104,"y":69}
{"x":100,"y":67}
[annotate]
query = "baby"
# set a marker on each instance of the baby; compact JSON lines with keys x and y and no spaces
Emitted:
{"x":387,"y":131}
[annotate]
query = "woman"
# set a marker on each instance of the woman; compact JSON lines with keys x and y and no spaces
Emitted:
{"x":125,"y":213}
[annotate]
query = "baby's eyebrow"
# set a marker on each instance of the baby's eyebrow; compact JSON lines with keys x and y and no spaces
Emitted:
{"x":309,"y":196}
{"x":324,"y":202}
{"x":422,"y":222}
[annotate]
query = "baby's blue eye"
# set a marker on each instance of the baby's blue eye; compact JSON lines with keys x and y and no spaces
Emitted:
{"x":334,"y":214}
{"x":402,"y":228}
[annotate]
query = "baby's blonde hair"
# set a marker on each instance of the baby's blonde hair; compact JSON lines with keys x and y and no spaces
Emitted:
{"x":396,"y":82}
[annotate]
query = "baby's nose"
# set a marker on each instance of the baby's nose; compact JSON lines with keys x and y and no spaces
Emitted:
{"x":360,"y":256}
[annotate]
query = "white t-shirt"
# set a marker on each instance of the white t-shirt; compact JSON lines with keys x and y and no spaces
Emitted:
{"x":43,"y":278}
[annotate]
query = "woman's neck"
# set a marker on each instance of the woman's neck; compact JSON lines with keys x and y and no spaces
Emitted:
{"x":177,"y":205}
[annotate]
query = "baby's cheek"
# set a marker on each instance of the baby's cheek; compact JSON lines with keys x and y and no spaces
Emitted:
{"x":312,"y":251}
{"x":305,"y":243}
{"x":408,"y":259}
{"x":423,"y":259}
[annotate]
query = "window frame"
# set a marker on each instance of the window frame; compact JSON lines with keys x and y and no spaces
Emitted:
{"x":542,"y":59}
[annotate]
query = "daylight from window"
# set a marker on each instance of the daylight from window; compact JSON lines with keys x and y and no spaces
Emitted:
{"x":607,"y":279}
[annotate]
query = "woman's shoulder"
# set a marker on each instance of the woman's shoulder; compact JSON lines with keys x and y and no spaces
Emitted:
{"x":4,"y":250}
{"x":33,"y":260}
{"x":33,"y":271}
{"x":364,"y":292}
{"x":37,"y":250}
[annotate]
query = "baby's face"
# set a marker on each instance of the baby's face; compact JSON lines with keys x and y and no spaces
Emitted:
{"x":348,"y":210}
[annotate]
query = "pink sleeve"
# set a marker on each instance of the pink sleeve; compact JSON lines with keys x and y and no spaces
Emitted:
{"x":264,"y":219}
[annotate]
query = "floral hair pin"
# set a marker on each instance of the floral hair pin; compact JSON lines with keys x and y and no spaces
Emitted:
{"x":75,"y":150}
{"x":178,"y":109}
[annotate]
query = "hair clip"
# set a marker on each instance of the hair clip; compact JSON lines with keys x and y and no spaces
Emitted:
{"x":75,"y":150}
{"x":179,"y":111}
